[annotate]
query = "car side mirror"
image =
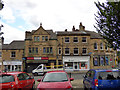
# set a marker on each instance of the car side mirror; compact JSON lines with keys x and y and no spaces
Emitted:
{"x":84,"y":76}
{"x":39,"y":80}
{"x":71,"y":79}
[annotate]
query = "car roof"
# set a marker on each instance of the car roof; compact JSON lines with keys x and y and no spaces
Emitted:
{"x":56,"y":71}
{"x":101,"y":70}
{"x":12,"y":73}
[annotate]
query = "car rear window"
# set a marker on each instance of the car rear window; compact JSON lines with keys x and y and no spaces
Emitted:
{"x":6,"y":78}
{"x":112,"y":75}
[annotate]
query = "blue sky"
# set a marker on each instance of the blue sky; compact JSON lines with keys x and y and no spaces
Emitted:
{"x":19,"y":16}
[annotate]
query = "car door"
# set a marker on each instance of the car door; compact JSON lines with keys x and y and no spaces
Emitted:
{"x":88,"y":79}
{"x":22,"y":82}
{"x":29,"y":80}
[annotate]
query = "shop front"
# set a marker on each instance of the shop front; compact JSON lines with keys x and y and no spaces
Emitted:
{"x":76,"y":62}
{"x":14,"y":65}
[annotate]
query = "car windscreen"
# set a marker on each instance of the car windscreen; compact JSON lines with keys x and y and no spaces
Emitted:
{"x":6,"y":78}
{"x":113,"y":75}
{"x":55,"y":77}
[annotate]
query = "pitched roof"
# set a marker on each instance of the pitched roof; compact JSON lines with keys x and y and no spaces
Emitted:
{"x":92,"y":34}
{"x":16,"y":44}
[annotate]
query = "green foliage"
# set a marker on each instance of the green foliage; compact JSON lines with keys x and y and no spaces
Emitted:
{"x":108,"y":22}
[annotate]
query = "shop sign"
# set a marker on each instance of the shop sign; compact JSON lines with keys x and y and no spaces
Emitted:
{"x":12,"y":62}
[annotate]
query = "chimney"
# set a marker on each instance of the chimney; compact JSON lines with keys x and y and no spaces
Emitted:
{"x":73,"y":29}
{"x":81,"y":27}
{"x":2,"y":40}
{"x":65,"y":30}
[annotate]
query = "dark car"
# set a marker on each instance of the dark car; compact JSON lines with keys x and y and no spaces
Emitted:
{"x":102,"y":79}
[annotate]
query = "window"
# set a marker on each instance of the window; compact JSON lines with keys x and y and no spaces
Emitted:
{"x":84,"y":50}
{"x":59,"y":51}
{"x":0,"y":54}
{"x":75,"y":39}
{"x":84,"y":39}
{"x":95,"y":46}
{"x":13,"y":54}
{"x":76,"y":51}
{"x":36,"y":38}
{"x":66,"y":39}
{"x":46,"y":38}
{"x":30,"y":51}
{"x":101,"y":46}
{"x":47,"y":50}
{"x":67,"y":51}
{"x":36,"y":50}
{"x":20,"y":77}
{"x":43,"y":38}
{"x":106,"y":47}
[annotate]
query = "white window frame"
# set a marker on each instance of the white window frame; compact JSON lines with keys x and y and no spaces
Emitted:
{"x":59,"y":51}
{"x":86,"y":51}
{"x":75,"y":39}
{"x":96,"y":46}
{"x":12,"y":54}
{"x":101,"y":46}
{"x":67,"y":53}
{"x":74,"y":51}
{"x":68,"y":39}
{"x":85,"y":39}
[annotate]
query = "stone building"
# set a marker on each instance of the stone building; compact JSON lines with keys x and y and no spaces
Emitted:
{"x":81,"y":49}
{"x":76,"y":49}
{"x":12,"y":55}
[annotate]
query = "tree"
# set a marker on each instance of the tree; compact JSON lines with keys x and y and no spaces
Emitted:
{"x":108,"y":22}
{"x":1,"y":5}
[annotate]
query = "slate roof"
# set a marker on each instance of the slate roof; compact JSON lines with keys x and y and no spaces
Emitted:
{"x":16,"y":44}
{"x":92,"y":34}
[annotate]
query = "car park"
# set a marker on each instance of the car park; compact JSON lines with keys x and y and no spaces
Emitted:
{"x":102,"y":79}
{"x":55,"y":80}
{"x":16,"y":80}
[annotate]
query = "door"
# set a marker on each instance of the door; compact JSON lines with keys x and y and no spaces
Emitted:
{"x":22,"y":82}
{"x":75,"y":65}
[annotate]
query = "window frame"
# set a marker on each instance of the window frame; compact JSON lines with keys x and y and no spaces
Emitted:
{"x":84,"y":49}
{"x":67,"y":39}
{"x":13,"y":54}
{"x":75,"y":38}
{"x":84,"y":39}
{"x":67,"y":51}
{"x":77,"y":51}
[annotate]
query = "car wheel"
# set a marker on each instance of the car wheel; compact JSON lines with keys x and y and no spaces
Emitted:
{"x":36,"y":74}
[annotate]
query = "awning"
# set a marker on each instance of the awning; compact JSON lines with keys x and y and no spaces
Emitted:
{"x":76,"y":58}
{"x":37,"y":61}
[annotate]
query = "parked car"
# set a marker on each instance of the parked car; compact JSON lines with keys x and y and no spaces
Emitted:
{"x":55,"y":80}
{"x":102,"y":79}
{"x":15,"y":80}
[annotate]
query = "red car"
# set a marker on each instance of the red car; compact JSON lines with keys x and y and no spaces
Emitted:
{"x":16,"y":80}
{"x":55,"y":80}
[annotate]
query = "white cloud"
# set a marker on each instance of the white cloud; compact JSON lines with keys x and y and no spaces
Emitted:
{"x":11,"y":33}
{"x":54,"y":14}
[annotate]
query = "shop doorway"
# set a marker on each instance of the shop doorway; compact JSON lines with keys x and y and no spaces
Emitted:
{"x":75,"y":66}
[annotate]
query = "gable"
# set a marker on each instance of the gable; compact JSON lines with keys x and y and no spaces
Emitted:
{"x":40,"y":31}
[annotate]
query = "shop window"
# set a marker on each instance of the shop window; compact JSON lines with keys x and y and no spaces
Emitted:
{"x":84,"y":39}
{"x":102,"y":63}
{"x":75,"y":51}
{"x":95,"y":46}
{"x":13,"y":54}
{"x":67,"y":51}
{"x":66,"y":39}
{"x":95,"y":61}
{"x":107,"y":60}
{"x":68,"y":65}
{"x":75,"y":39}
